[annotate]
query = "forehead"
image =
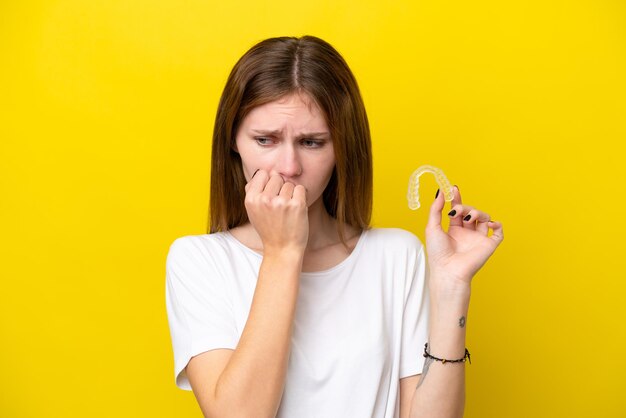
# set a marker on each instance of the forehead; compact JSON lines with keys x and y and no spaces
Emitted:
{"x":296,"y":108}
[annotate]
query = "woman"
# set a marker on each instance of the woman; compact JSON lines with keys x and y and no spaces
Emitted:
{"x":293,"y":306}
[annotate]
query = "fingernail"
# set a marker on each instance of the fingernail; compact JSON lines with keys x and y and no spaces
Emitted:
{"x":452,"y":212}
{"x":257,"y":170}
{"x":457,"y":187}
{"x":467,"y":218}
{"x":437,"y":194}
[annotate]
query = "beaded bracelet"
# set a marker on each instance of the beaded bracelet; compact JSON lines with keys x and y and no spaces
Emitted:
{"x":443,"y":360}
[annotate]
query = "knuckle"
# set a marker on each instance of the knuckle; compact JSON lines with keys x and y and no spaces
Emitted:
{"x":279,"y":202}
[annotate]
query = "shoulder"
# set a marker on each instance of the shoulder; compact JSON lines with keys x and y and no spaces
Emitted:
{"x":395,"y":239}
{"x":198,"y":250}
{"x":194,"y":243}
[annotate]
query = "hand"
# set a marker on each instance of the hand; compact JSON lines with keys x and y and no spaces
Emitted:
{"x":278,"y":211}
{"x":455,"y":257}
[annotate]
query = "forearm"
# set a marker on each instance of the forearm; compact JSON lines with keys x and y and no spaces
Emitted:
{"x":441,"y":390}
{"x":253,"y":381}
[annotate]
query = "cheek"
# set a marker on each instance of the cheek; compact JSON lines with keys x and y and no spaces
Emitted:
{"x":329,"y":166}
{"x":252,"y":161}
{"x":325,"y":172}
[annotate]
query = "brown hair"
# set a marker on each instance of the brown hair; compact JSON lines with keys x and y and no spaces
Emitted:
{"x":268,"y":71}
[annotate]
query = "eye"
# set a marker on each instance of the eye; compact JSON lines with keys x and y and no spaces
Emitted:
{"x":312,"y":143}
{"x":261,"y":140}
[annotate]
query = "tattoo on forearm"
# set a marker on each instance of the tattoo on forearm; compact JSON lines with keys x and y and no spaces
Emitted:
{"x":462,"y":321}
{"x":427,"y":364}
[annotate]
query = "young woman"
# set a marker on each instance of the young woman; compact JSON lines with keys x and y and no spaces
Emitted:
{"x":292,"y":306}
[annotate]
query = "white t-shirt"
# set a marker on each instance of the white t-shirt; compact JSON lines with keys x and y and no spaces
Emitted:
{"x":359,"y":326}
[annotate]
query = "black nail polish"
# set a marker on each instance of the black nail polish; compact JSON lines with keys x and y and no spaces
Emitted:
{"x":467,"y":218}
{"x":437,"y":194}
{"x":452,"y":212}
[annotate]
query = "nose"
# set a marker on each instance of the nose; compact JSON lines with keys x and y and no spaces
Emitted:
{"x":288,"y":162}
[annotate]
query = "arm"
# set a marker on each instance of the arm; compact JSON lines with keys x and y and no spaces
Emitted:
{"x":454,"y":257}
{"x":441,"y":388}
{"x":252,"y":379}
{"x":252,"y":382}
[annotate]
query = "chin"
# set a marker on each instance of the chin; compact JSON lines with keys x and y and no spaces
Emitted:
{"x":318,"y":201}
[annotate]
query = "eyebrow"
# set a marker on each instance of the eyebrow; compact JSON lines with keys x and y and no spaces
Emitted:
{"x":302,"y":135}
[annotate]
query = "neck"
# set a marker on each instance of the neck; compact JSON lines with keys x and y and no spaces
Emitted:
{"x":322,"y":227}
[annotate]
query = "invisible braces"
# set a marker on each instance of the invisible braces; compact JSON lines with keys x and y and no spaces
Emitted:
{"x":414,"y":185}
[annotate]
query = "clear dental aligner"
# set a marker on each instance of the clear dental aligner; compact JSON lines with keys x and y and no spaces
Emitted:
{"x":414,"y":185}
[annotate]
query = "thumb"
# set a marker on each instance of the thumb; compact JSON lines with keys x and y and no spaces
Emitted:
{"x":434,"y":218}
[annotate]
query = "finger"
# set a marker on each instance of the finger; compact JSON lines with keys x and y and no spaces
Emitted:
{"x":273,"y":186}
{"x":468,"y":221}
{"x":455,"y":206}
{"x":498,"y":232}
{"x":482,"y":221}
{"x":287,"y":190}
{"x":434,"y":218}
{"x":457,"y":214}
{"x":257,"y":182}
{"x":299,"y":193}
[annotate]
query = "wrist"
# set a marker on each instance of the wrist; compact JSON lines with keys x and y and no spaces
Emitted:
{"x":283,"y":255}
{"x":454,"y":291}
{"x":283,"y":249}
{"x":449,"y":301}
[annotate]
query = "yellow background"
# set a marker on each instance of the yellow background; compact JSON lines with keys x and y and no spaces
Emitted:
{"x":106,"y":114}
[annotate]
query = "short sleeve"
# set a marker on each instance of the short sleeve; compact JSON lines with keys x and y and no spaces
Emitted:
{"x":415,"y":317}
{"x":199,"y":308}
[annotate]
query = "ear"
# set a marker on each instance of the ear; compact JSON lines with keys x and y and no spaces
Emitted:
{"x":234,"y":147}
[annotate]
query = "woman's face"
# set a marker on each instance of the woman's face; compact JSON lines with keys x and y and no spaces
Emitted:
{"x":288,"y":137}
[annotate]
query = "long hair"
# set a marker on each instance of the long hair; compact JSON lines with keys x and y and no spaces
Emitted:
{"x":268,"y":71}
